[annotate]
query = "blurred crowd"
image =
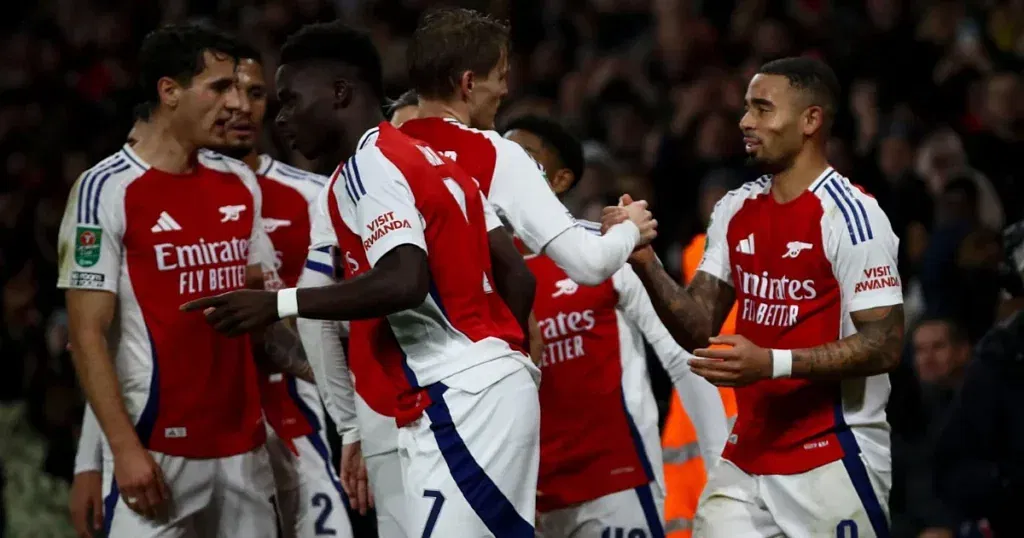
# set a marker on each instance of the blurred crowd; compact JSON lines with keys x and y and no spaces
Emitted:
{"x":931,"y":123}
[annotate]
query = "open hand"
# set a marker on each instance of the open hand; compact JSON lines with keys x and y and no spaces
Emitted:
{"x":237,"y":312}
{"x":354,"y":477}
{"x":739,"y":364}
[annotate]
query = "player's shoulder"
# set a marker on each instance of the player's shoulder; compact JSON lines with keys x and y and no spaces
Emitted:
{"x":848,"y":208}
{"x":218,"y":162}
{"x":306,"y":183}
{"x":733,"y":200}
{"x":108,"y":177}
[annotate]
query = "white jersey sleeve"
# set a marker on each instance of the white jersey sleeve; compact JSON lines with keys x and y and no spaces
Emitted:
{"x":863,"y":249}
{"x":89,"y":456}
{"x":385,"y":214}
{"x":700,"y":399}
{"x":89,"y":243}
{"x":522,"y":196}
{"x":321,"y":230}
{"x":490,"y":215}
{"x":322,"y":341}
{"x":715,"y":261}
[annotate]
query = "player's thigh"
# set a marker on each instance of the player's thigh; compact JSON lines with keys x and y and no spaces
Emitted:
{"x":843,"y":499}
{"x":632,"y":513}
{"x":385,"y":471}
{"x":471,"y":462}
{"x":191,"y":488}
{"x":323,"y":507}
{"x":730,"y":506}
{"x":245,"y":504}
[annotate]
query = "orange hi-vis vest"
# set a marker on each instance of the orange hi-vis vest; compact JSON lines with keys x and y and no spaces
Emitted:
{"x":684,"y":468}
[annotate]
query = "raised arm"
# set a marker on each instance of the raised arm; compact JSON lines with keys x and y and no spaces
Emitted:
{"x":522,"y":196}
{"x":692,"y":313}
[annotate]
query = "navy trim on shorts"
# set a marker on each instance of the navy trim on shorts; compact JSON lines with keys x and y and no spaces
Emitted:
{"x":482,"y":494}
{"x":859,"y":474}
{"x":314,"y":438}
{"x":143,"y":428}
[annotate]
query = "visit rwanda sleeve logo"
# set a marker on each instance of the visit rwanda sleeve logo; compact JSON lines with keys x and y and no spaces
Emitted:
{"x":87,"y":246}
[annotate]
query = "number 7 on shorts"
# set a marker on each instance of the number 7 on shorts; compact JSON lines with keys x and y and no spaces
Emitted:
{"x":435,"y":510}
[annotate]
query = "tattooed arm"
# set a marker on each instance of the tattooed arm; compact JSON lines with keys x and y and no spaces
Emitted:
{"x":692,"y":314}
{"x":875,"y":349}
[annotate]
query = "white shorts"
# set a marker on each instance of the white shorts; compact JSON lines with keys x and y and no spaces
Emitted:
{"x":385,"y":472}
{"x":632,"y":513}
{"x":221,"y":497}
{"x":311,"y":501}
{"x":470,"y":463}
{"x":843,"y":499}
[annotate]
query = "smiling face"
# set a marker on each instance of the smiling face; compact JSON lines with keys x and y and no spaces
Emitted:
{"x":777,"y":122}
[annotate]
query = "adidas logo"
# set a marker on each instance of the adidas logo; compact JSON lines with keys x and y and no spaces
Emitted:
{"x":165,"y":224}
{"x":746,"y":246}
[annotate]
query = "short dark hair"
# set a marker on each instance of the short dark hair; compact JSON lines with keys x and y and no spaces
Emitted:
{"x":811,"y":76}
{"x":566,"y":146}
{"x":408,"y":98}
{"x":176,"y":51}
{"x":447,"y":43}
{"x":337,"y":42}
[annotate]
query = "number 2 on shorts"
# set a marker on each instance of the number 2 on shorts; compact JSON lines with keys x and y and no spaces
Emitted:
{"x":435,"y":510}
{"x":321,"y":528}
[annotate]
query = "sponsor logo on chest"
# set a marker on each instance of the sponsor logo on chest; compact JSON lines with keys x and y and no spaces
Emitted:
{"x":773,"y":296}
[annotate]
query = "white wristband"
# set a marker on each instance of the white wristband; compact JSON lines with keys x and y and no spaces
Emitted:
{"x":287,"y":303}
{"x":782,"y":363}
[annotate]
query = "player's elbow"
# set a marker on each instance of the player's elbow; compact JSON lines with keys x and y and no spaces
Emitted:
{"x":408,"y":293}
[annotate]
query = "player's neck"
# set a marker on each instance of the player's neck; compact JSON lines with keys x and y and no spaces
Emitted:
{"x":252,"y":160}
{"x":163,"y":149}
{"x":429,"y":108}
{"x":790,"y":183}
{"x":348,"y":138}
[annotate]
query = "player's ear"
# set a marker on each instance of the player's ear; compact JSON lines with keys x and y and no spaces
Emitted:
{"x":169,"y":91}
{"x":466,"y":82}
{"x":813,"y":120}
{"x":342,"y":93}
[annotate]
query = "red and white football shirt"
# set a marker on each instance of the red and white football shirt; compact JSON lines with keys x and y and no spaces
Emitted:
{"x":599,"y":421}
{"x":799,"y":269}
{"x":397,"y":191}
{"x":510,"y":179}
{"x":158,"y":240}
{"x":291,"y":406}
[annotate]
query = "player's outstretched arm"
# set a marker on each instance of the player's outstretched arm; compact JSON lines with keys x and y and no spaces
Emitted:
{"x":875,"y":349}
{"x":692,"y":314}
{"x":278,"y":348}
{"x":512,"y":278}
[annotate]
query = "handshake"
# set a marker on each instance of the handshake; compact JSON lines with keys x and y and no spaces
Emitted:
{"x":637,"y":212}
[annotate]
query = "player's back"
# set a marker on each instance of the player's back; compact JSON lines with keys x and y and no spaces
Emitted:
{"x":158,"y":240}
{"x":799,"y":269}
{"x":593,"y":433}
{"x":395,"y":184}
{"x":511,"y":180}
